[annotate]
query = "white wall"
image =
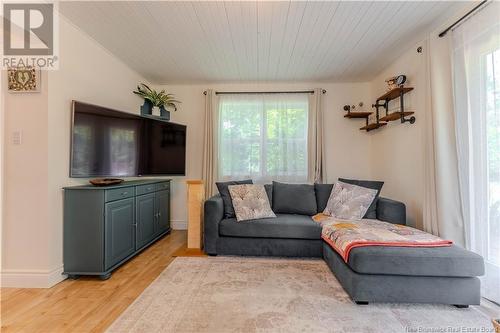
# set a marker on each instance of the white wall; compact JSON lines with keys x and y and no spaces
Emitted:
{"x":397,"y":149}
{"x":348,"y":148}
{"x":39,"y":167}
{"x":25,"y":230}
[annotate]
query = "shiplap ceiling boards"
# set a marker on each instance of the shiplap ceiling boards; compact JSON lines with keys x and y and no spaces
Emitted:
{"x":222,"y":41}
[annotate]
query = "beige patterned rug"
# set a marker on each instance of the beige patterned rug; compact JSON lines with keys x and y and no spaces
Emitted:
{"x":233,"y":294}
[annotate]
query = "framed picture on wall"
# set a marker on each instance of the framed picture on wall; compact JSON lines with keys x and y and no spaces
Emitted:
{"x":23,"y":79}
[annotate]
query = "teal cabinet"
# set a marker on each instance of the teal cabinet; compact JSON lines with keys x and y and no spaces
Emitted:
{"x":106,"y":226}
{"x":120,"y":231}
{"x":162,"y":204}
{"x":146,"y":219}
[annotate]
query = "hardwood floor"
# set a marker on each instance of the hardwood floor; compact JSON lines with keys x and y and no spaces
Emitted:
{"x":87,"y":304}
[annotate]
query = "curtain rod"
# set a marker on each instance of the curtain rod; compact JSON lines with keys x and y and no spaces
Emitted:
{"x":445,"y":31}
{"x":264,"y":92}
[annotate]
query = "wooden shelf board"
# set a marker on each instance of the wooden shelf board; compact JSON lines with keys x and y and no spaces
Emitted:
{"x":373,"y":126}
{"x":394,"y":93}
{"x":357,"y":114}
{"x":396,"y":116}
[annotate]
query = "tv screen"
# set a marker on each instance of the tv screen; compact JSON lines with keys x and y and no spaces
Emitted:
{"x":109,"y":143}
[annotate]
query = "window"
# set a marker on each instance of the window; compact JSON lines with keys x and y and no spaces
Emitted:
{"x":491,"y":229}
{"x":263,"y":137}
{"x":476,"y":61}
{"x":492,"y":105}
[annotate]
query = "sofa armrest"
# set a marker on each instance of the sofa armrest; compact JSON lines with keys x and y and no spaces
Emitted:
{"x":213,"y":214}
{"x":391,"y":211}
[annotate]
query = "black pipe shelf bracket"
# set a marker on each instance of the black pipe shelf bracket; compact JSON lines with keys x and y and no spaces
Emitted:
{"x":402,"y":115}
{"x":383,"y":102}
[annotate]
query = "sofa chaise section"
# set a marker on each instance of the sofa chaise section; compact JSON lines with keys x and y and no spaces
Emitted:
{"x":416,"y":261}
{"x":393,"y":274}
{"x":408,"y":286}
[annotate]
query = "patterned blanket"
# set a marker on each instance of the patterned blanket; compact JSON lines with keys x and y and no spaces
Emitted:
{"x":343,"y":236}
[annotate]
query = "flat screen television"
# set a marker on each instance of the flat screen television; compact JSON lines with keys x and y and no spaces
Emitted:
{"x":110,"y":143}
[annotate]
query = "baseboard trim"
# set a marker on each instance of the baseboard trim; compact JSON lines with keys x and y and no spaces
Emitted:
{"x":179,"y":224}
{"x":12,"y":278}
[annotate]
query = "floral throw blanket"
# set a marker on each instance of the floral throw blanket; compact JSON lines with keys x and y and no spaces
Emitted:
{"x":343,"y":236}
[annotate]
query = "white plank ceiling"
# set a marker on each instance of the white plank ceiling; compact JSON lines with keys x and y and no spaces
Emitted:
{"x":225,"y":41}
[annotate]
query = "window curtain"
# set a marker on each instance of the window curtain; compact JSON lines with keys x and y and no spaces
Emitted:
{"x":316,"y":148}
{"x":209,"y":168}
{"x":476,"y":84}
{"x":263,"y":137}
{"x":442,"y":213}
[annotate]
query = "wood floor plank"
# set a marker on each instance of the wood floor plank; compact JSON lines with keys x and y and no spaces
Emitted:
{"x":87,"y":304}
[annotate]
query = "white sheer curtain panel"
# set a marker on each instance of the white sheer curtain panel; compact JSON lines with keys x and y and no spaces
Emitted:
{"x":476,"y":69}
{"x":263,"y":137}
{"x":442,"y":213}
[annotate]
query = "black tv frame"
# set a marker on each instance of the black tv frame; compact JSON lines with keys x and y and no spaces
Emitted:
{"x":73,"y":102}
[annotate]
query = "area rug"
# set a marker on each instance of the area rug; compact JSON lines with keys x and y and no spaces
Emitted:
{"x":233,"y":294}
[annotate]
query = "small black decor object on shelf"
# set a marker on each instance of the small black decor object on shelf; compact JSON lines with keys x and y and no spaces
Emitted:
{"x":400,"y":80}
{"x":152,"y":99}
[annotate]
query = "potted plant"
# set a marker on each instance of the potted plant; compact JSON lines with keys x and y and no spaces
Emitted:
{"x":153,"y":99}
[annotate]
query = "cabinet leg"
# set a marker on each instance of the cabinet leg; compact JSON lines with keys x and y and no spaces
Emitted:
{"x":105,"y":276}
{"x":460,"y":306}
{"x":361,"y":303}
{"x":73,"y":276}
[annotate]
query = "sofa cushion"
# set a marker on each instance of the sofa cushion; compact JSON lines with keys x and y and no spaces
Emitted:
{"x":349,"y":202}
{"x":322,"y":195}
{"x":269,"y":192}
{"x":371,"y":213}
{"x":294,"y":199}
{"x":226,"y":197}
{"x":250,"y":202}
{"x":283,"y":226}
{"x":420,"y":261}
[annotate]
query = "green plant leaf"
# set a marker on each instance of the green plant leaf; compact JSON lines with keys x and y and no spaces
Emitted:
{"x":158,"y":99}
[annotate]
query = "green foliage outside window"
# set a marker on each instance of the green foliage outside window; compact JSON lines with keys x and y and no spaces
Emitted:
{"x":263,"y":138}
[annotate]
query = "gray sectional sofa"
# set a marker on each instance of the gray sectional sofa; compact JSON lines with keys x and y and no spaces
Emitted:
{"x":445,"y":275}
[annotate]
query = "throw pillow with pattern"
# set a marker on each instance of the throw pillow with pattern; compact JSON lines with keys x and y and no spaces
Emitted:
{"x":250,"y":202}
{"x":348,"y":201}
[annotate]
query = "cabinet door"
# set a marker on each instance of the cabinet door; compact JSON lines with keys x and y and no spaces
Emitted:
{"x":163,"y":211}
{"x":119,"y":231}
{"x":146,"y":219}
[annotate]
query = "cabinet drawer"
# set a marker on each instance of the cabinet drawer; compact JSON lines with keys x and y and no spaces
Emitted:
{"x":143,"y":189}
{"x":163,"y":186}
{"x":119,"y":193}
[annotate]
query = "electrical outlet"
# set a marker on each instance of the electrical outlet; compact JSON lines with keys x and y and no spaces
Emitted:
{"x":17,"y":137}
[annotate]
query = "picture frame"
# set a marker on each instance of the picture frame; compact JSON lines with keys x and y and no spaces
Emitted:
{"x":23,"y":80}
